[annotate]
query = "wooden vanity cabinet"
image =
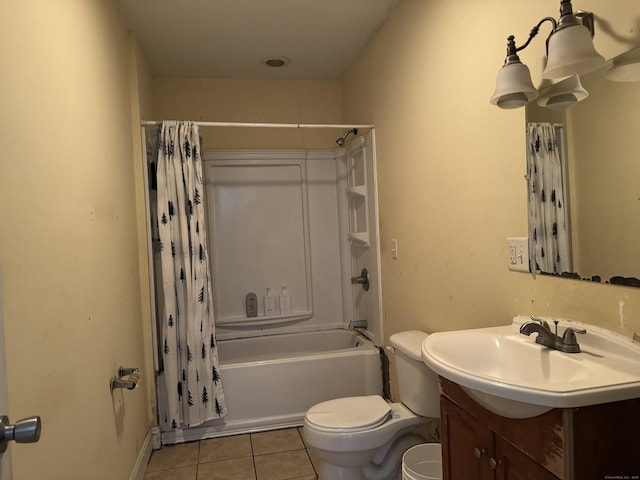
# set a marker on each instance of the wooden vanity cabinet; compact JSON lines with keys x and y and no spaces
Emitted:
{"x":595,"y":442}
{"x":473,"y":451}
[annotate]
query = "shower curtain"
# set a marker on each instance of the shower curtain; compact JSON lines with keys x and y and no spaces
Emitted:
{"x":192,"y":386}
{"x":548,"y":221}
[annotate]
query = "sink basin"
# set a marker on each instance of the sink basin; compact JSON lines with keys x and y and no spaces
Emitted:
{"x":511,"y":375}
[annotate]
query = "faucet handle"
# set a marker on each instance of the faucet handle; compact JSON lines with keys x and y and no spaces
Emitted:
{"x":363,"y":279}
{"x":570,"y":332}
{"x":541,"y":321}
{"x":569,"y":336}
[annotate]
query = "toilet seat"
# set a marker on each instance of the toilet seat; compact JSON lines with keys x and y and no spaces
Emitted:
{"x":345,"y":441}
{"x":349,"y":415}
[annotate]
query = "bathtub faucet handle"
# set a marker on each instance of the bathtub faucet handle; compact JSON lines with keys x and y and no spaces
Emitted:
{"x":357,"y":324}
{"x":363,"y":279}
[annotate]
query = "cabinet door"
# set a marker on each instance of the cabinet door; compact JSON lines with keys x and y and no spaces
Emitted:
{"x":511,"y":464}
{"x":467,"y":445}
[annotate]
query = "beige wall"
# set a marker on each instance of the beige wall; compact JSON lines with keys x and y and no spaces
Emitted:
{"x":451,"y":166}
{"x":254,"y":101}
{"x":68,"y":242}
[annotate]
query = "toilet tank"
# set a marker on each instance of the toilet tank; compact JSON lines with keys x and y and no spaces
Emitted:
{"x":418,"y":385}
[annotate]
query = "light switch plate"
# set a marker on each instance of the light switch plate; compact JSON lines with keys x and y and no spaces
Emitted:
{"x":394,"y":249}
{"x":518,"y":254}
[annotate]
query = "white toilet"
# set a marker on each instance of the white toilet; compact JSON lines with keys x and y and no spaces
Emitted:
{"x":363,"y":438}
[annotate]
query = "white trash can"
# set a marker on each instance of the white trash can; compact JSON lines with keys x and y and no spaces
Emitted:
{"x":422,"y":462}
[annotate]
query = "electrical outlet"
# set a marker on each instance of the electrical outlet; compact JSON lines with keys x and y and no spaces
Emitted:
{"x":518,"y":254}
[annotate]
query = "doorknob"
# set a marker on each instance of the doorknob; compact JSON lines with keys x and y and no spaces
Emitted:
{"x":26,"y":430}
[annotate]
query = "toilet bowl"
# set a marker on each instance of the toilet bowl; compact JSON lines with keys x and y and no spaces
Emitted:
{"x":363,"y":438}
{"x":370,"y":428}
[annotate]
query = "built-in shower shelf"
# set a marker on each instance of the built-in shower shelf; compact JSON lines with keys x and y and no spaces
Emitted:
{"x":357,"y":201}
{"x":360,"y":239}
{"x":359,"y":191}
{"x":264,"y":319}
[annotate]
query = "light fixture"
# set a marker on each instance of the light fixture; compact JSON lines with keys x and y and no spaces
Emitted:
{"x":625,"y":67}
{"x":564,"y":94}
{"x":276,"y":62}
{"x":624,"y":72}
{"x":570,"y":52}
{"x":514,"y":88}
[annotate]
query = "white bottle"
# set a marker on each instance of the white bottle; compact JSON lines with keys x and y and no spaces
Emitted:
{"x":285,"y":302}
{"x":269,"y":304}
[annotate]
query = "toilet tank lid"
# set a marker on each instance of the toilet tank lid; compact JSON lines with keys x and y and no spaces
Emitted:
{"x":409,"y":342}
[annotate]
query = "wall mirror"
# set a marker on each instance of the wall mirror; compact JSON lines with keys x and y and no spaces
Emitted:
{"x":599,"y":140}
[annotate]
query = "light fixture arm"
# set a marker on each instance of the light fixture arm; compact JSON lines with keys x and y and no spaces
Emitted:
{"x":512,"y":50}
{"x":536,"y":29}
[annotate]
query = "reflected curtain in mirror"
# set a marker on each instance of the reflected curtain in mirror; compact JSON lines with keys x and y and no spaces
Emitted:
{"x":548,"y":222}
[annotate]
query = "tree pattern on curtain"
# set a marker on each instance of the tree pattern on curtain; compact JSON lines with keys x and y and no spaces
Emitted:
{"x":193,"y":386}
{"x":548,"y":225}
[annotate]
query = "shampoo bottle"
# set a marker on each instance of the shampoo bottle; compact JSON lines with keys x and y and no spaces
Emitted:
{"x":251,"y":302}
{"x":285,"y":302}
{"x":269,"y":304}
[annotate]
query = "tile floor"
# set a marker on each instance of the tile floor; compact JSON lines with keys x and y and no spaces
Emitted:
{"x":274,"y":455}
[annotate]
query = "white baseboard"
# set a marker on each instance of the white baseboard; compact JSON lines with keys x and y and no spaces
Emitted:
{"x":143,"y":458}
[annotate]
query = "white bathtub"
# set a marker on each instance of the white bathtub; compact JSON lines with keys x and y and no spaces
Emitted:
{"x":270,"y":382}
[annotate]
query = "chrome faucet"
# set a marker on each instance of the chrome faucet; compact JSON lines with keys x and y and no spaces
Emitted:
{"x":357,"y":324}
{"x":568,"y":343}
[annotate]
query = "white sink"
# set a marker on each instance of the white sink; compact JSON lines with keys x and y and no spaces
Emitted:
{"x":511,"y":375}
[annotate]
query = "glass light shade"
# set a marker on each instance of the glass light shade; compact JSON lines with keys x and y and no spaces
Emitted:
{"x":571,"y":52}
{"x":627,"y":72}
{"x":514,"y":88}
{"x":563,"y":94}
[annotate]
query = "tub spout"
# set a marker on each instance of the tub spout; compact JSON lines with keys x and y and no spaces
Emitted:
{"x":357,"y":324}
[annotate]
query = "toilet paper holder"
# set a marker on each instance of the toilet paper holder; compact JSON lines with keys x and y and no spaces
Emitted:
{"x":130,"y":383}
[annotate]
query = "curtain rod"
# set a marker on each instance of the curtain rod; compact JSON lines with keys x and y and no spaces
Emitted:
{"x":265,"y":125}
